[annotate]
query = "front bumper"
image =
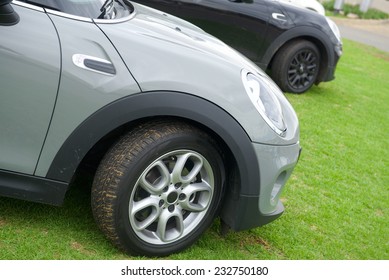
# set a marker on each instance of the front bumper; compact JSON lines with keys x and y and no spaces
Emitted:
{"x":330,"y":73}
{"x":244,"y":211}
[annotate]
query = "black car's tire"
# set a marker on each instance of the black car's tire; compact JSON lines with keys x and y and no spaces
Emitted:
{"x":158,"y":189}
{"x":296,"y":66}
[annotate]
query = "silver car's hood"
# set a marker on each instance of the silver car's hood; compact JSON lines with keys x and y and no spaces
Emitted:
{"x":163,"y":52}
{"x":166,"y":29}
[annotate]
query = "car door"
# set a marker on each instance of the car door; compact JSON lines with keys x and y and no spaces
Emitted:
{"x":29,"y":78}
{"x":242,"y":24}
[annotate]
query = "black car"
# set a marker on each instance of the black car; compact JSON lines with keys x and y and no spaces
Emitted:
{"x":297,"y":47}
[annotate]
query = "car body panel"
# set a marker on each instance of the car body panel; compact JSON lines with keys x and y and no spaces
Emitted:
{"x":82,"y":90}
{"x":26,"y":103}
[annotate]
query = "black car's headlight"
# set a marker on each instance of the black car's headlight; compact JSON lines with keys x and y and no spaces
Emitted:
{"x":262,"y":93}
{"x":334,"y":28}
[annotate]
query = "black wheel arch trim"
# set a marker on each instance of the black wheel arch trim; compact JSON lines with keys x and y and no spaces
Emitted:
{"x":158,"y":104}
{"x":310,"y":33}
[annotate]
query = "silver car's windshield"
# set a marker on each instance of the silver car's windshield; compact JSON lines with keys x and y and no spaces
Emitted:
{"x":97,"y":9}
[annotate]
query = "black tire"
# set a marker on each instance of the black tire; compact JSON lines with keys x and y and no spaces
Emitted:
{"x":296,"y":66}
{"x":158,"y":189}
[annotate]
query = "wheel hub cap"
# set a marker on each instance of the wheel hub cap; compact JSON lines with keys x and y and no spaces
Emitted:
{"x":172,"y":198}
{"x":302,"y":68}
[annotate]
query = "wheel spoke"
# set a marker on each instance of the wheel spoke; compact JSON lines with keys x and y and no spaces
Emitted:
{"x":295,"y":80}
{"x":170,"y":225}
{"x":292,"y":71}
{"x":144,"y":212}
{"x":301,"y":57}
{"x":197,"y":197}
{"x":156,"y":178}
{"x":295,"y":62}
{"x":309,"y":56}
{"x":311,"y":68}
{"x":181,"y":167}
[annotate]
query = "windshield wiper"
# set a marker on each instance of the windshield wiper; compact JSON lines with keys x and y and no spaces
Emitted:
{"x":107,"y":10}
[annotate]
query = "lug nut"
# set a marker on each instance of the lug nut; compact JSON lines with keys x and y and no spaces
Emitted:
{"x":171,"y":208}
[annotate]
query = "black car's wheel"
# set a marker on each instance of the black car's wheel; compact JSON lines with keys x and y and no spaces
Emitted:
{"x":296,"y":66}
{"x":158,"y":188}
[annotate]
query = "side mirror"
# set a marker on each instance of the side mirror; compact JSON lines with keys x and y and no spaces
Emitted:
{"x":7,"y":14}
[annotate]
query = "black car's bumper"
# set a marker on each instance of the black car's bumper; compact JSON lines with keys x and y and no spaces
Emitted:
{"x":330,"y":73}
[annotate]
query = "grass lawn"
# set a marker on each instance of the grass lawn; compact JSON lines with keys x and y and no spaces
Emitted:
{"x":336,"y":201}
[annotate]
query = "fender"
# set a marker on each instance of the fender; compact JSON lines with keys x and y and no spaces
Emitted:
{"x":154,"y":104}
{"x":295,"y":33}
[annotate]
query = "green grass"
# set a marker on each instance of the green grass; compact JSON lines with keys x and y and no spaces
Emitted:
{"x":336,"y":201}
{"x":371,"y":13}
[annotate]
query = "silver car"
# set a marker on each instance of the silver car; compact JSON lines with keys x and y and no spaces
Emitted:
{"x":178,"y":127}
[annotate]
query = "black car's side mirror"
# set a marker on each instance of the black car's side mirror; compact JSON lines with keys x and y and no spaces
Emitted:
{"x":7,"y":14}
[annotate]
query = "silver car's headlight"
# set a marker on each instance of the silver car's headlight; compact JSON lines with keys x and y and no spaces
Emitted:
{"x":262,"y":93}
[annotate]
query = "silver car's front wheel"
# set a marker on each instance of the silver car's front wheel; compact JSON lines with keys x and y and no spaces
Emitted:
{"x":158,"y":188}
{"x":171,"y":197}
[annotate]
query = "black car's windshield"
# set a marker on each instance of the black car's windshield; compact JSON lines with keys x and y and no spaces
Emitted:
{"x":107,"y":10}
{"x":97,"y":9}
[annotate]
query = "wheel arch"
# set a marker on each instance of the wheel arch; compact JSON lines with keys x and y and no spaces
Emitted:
{"x":111,"y":121}
{"x":314,"y":35}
